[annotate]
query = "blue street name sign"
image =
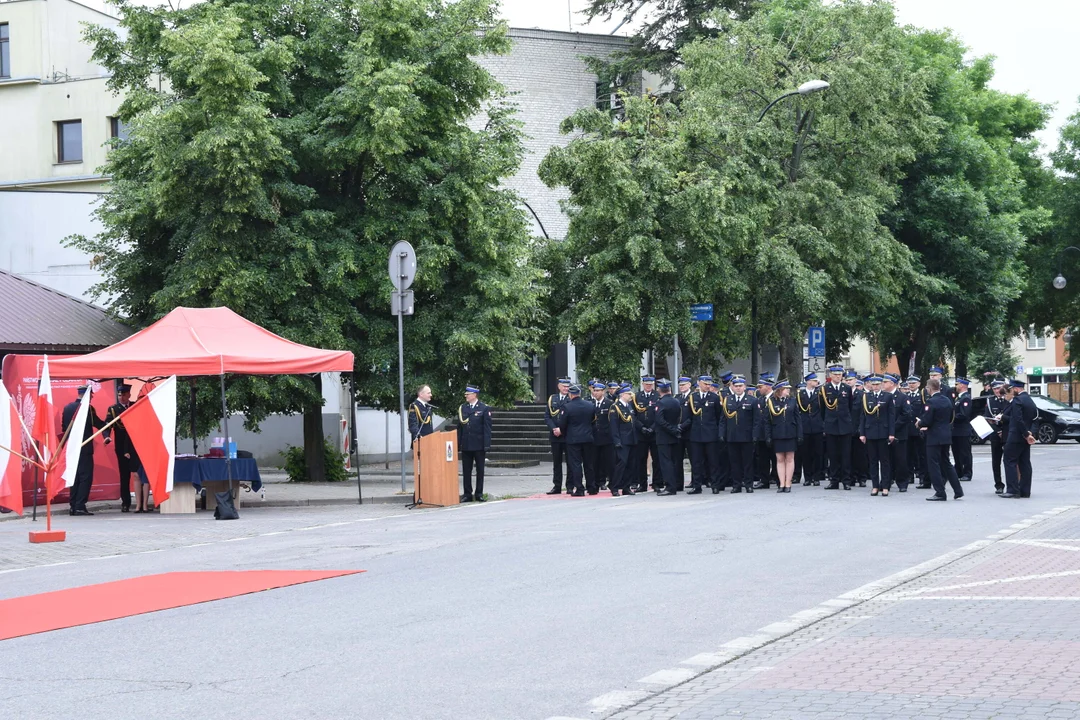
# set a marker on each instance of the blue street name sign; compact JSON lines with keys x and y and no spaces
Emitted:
{"x":701,"y":312}
{"x":815,"y":342}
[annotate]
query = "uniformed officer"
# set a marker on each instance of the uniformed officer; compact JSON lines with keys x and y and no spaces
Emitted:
{"x":474,"y":439}
{"x":723,"y":463}
{"x":613,"y":391}
{"x":812,"y":450}
{"x":645,"y":403}
{"x":738,"y":424}
{"x":1018,"y":442}
{"x":961,"y":429}
{"x":917,"y":440}
{"x":904,"y":421}
{"x":877,"y":424}
{"x":84,"y":471}
{"x":704,"y":435}
{"x":936,"y":424}
{"x":625,"y":431}
{"x":603,"y":451}
{"x":764,"y":458}
{"x":783,"y":430}
{"x":860,"y":460}
{"x":994,"y":412}
{"x":668,"y":423}
{"x":127,"y":460}
{"x":685,"y":388}
{"x":938,"y":373}
{"x":576,"y":423}
{"x":836,"y":420}
{"x":552,"y":413}
{"x":421,"y":412}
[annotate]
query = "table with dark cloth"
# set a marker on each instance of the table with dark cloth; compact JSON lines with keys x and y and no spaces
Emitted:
{"x":200,"y":470}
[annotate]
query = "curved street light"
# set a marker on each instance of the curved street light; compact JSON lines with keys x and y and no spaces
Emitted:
{"x":1059,"y":281}
{"x":807,"y":88}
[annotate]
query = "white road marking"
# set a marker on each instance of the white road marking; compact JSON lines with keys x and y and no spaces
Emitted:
{"x":1053,"y":545}
{"x":616,"y":699}
{"x":995,"y":581}
{"x":994,"y":597}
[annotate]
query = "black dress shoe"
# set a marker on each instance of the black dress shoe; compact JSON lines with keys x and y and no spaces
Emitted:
{"x":716,"y":491}
{"x":903,"y":489}
{"x":923,"y":486}
{"x":84,"y":511}
{"x":1008,"y":495}
{"x":957,"y":497}
{"x":125,"y":508}
{"x":577,"y":493}
{"x":847,"y":487}
{"x":594,"y":492}
{"x":760,"y":485}
{"x":614,"y":493}
{"x":779,"y":489}
{"x":832,"y":486}
{"x":629,"y":491}
{"x":965,"y":479}
{"x":71,"y":512}
{"x":999,"y":491}
{"x":465,"y":498}
{"x":736,"y":490}
{"x":666,"y":492}
{"x":937,"y":498}
{"x":750,"y":489}
{"x":1025,"y":495}
{"x":480,"y":498}
{"x":694,"y":491}
{"x":555,"y":491}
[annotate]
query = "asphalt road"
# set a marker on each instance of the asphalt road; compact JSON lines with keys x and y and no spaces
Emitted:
{"x":513,"y":609}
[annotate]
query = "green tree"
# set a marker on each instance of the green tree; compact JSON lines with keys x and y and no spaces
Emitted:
{"x":277,"y":152}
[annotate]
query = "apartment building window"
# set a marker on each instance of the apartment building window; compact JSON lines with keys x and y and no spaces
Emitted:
{"x":1035,"y":341}
{"x":5,"y":52}
{"x":609,"y":93}
{"x":69,"y":141}
{"x":118,"y":128}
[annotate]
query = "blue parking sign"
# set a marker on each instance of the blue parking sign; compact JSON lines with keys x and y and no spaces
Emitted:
{"x":815,"y":342}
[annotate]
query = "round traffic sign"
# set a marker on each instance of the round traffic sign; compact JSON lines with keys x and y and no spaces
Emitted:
{"x":402,"y":265}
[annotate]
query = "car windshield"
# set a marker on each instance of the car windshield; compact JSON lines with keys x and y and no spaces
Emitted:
{"x":1044,"y":403}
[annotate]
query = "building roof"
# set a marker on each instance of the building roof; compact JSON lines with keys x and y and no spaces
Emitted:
{"x":38,"y":319}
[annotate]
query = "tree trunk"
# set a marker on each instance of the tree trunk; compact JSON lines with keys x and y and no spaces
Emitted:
{"x":791,"y":354}
{"x":314,"y":442}
{"x":961,"y":368}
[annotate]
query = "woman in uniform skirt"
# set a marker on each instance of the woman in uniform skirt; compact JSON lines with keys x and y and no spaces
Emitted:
{"x":783,"y":431}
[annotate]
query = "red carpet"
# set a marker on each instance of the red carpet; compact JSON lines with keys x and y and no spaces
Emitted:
{"x":566,"y":496}
{"x":108,"y":601}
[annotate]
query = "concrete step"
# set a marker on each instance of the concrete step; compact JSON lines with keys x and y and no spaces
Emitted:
{"x":500,"y":455}
{"x":511,"y":463}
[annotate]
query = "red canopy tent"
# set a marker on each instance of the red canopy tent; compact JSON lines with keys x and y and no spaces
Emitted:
{"x":199,"y":342}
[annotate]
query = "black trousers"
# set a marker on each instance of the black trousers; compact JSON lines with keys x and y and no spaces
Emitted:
{"x":670,"y":464}
{"x":705,"y":464}
{"x":124,"y":464}
{"x":900,"y":468}
{"x":860,"y":460}
{"x":879,"y":462}
{"x":741,"y":456}
{"x":558,"y":457}
{"x":961,"y":450}
{"x":812,"y":451}
{"x":644,"y":449}
{"x":603,"y":464}
{"x":917,"y":459}
{"x":838,"y":448}
{"x":765,"y":464}
{"x":997,"y":448}
{"x":84,"y":479}
{"x":588,"y":457}
{"x":1018,"y":468}
{"x":723,"y":464}
{"x":684,"y":453}
{"x":575,"y":458}
{"x":620,"y":477}
{"x":468,"y":458}
{"x":941,"y":470}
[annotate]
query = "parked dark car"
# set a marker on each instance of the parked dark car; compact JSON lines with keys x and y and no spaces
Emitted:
{"x":1056,"y":421}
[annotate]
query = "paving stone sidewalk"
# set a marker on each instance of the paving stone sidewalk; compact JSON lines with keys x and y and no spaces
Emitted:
{"x":995,"y":634}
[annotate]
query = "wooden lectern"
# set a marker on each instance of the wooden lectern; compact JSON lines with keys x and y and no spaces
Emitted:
{"x":435,"y":469}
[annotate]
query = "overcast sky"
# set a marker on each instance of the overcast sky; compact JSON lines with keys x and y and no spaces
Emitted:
{"x":1034,"y":41}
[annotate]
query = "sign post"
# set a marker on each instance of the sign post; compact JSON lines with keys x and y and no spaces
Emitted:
{"x":402,"y":266}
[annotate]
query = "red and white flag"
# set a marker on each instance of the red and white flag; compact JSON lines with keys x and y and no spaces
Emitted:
{"x":44,"y":431}
{"x":67,"y":463}
{"x":10,"y":463}
{"x":151,"y":425}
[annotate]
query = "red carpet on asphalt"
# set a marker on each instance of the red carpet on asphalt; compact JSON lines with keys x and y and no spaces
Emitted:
{"x":89,"y":604}
{"x":564,"y":496}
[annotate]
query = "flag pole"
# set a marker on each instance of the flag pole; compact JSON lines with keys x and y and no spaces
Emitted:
{"x":29,"y":435}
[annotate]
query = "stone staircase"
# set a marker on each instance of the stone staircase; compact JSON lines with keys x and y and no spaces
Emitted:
{"x":519,"y":437}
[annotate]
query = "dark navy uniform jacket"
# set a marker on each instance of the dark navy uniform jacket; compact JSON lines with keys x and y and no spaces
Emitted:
{"x":809,"y":404}
{"x":704,"y":416}
{"x":552,"y":412}
{"x":420,"y":415}
{"x":474,"y":427}
{"x":739,"y":419}
{"x":645,"y":404}
{"x":963,"y":410}
{"x":1022,"y":414}
{"x":996,"y":406}
{"x":836,"y":409}
{"x":938,"y":420}
{"x":576,"y":421}
{"x":624,"y":424}
{"x":904,"y":415}
{"x":877,"y":417}
{"x":780,"y":420}
{"x":601,"y":426}
{"x":668,"y":421}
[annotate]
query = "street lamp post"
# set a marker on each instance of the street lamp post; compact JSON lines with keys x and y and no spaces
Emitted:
{"x":807,"y":88}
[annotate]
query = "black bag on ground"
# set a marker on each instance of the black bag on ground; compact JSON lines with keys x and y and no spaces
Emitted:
{"x":225,"y":509}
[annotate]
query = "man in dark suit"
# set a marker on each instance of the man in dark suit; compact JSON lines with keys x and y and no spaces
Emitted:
{"x":936,"y":425}
{"x":703,"y":417}
{"x":685,"y":388}
{"x":916,"y":439}
{"x":552,"y":413}
{"x":904,"y":418}
{"x":84,"y":472}
{"x":603,"y":452}
{"x":576,"y":423}
{"x":877,"y":423}
{"x":127,"y":461}
{"x":836,"y":412}
{"x":474,"y":439}
{"x":625,"y":431}
{"x":1018,"y":442}
{"x":961,"y":429}
{"x":668,"y":425}
{"x":421,"y":412}
{"x":738,"y":430}
{"x":645,"y":403}
{"x":996,"y":407}
{"x":812,"y":452}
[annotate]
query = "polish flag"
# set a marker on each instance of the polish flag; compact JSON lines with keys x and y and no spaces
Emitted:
{"x":44,"y":430}
{"x":62,"y":475}
{"x":10,"y":463}
{"x":151,"y":425}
